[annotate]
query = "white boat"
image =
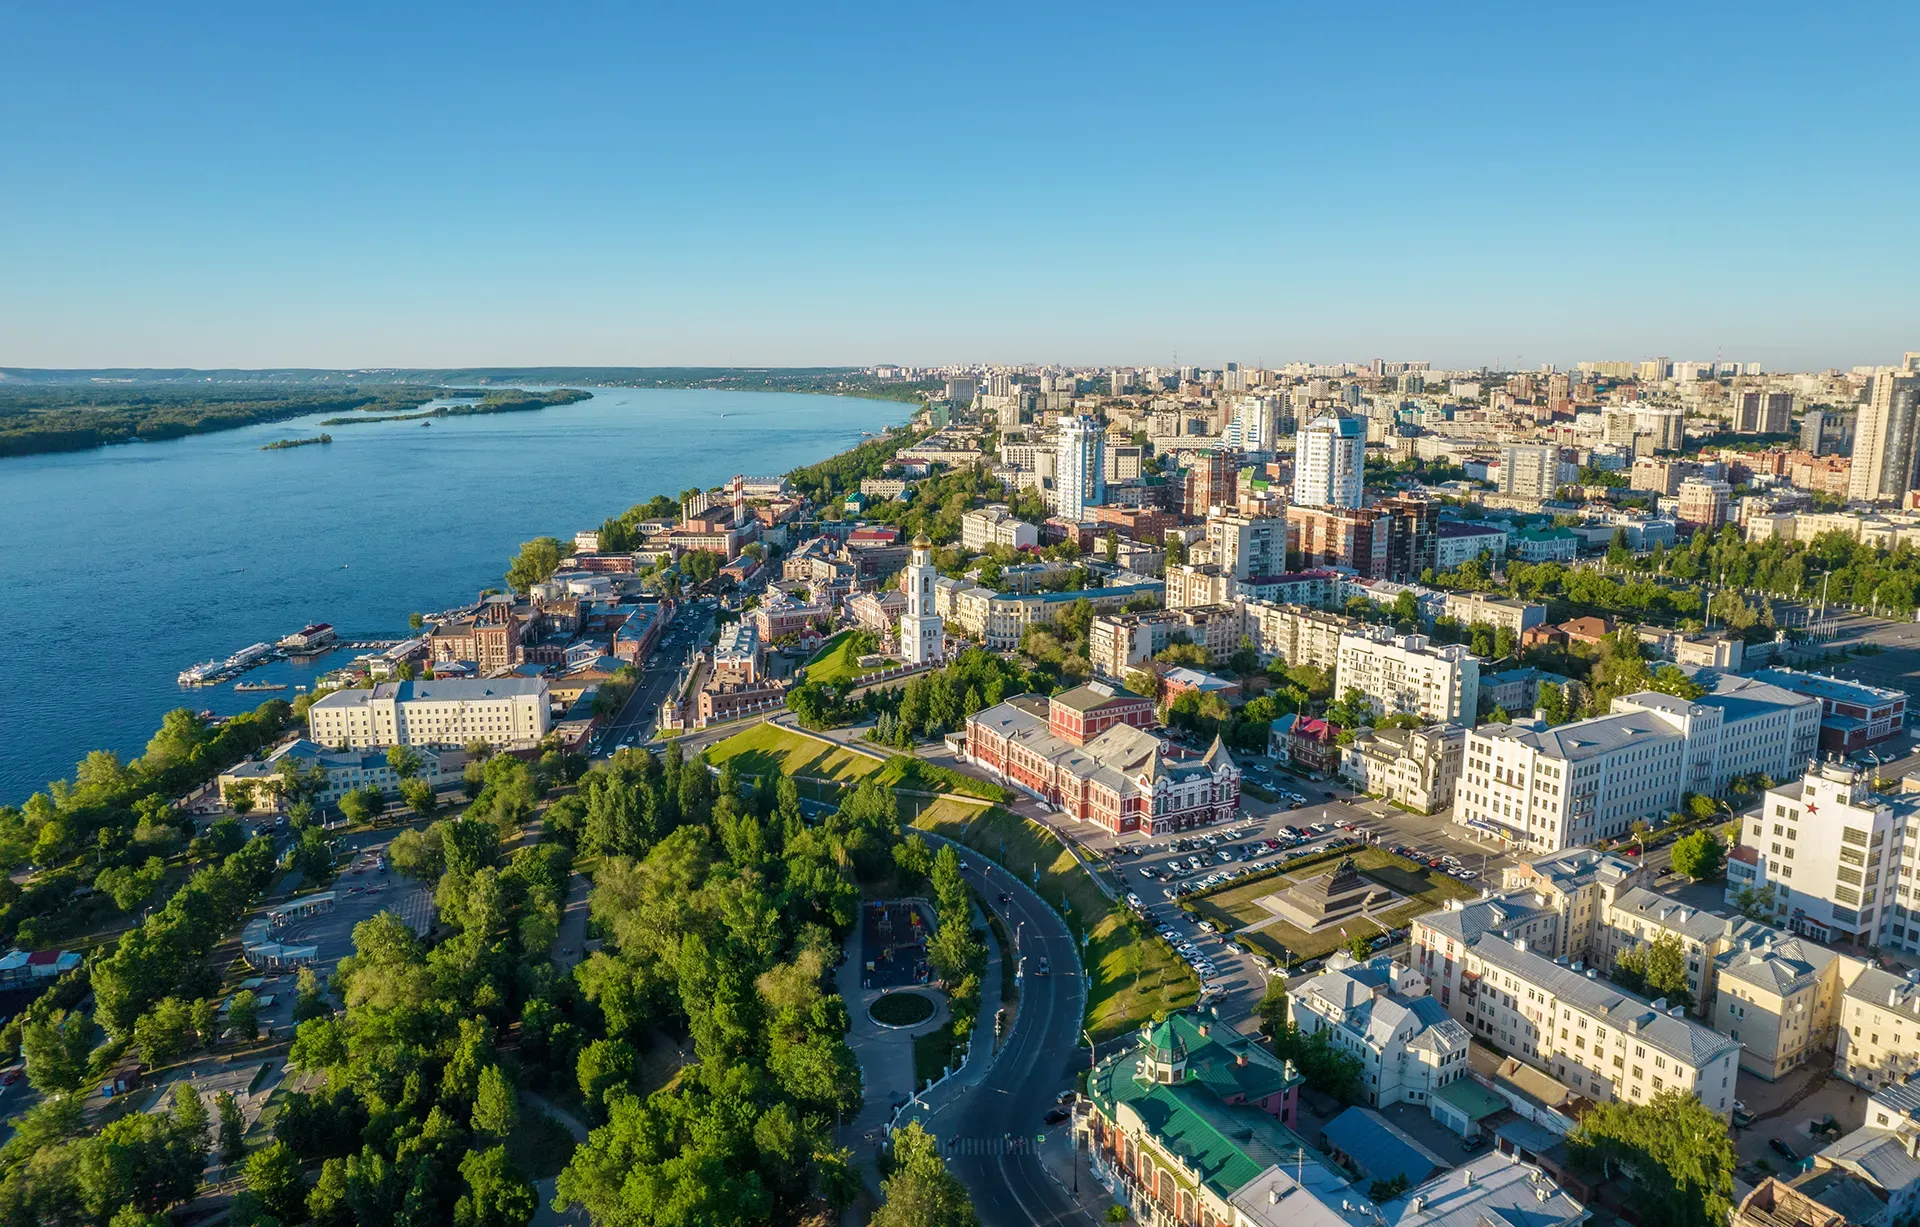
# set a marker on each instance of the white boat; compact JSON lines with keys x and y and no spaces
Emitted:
{"x":199,"y":673}
{"x":247,"y":655}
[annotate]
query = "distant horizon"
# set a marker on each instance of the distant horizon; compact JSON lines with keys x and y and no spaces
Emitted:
{"x":516,"y":370}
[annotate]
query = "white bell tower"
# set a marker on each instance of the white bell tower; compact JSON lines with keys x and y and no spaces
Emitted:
{"x":922,"y":635}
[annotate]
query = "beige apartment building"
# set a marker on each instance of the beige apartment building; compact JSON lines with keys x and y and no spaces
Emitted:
{"x":1404,"y":675}
{"x":1472,"y":608}
{"x":1605,"y":1043}
{"x":1295,"y":634}
{"x":996,"y":524}
{"x":1779,"y":996}
{"x":1411,"y":767}
{"x":1878,"y":1042}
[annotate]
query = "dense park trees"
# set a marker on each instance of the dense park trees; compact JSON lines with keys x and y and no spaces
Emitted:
{"x":1676,"y":1152}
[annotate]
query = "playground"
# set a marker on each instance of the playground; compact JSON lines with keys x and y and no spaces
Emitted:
{"x":893,"y":944}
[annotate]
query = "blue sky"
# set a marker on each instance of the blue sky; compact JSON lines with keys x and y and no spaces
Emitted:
{"x":421,"y":184}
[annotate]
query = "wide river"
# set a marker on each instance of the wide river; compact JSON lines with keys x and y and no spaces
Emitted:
{"x":121,"y":566}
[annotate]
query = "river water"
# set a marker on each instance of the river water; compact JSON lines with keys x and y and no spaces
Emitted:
{"x":121,"y":566}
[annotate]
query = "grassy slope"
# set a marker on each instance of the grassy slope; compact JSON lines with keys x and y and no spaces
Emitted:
{"x":768,"y":748}
{"x":835,"y":662}
{"x":1118,"y":1000}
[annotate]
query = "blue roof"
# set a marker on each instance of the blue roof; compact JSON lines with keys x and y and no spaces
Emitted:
{"x":1380,"y":1150}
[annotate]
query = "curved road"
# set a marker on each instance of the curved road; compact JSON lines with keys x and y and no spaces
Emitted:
{"x":990,"y":1136}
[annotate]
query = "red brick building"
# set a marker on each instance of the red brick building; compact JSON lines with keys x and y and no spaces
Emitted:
{"x":1314,"y":744}
{"x":1087,"y":752}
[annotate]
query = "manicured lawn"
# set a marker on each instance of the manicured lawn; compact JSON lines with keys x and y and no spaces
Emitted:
{"x":769,"y":748}
{"x":933,"y":1052}
{"x":902,"y":1009}
{"x":1132,"y":978}
{"x":1426,"y":891}
{"x":835,"y":662}
{"x":918,"y":775}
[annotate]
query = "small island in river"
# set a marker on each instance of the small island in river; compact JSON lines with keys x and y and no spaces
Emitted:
{"x":280,"y":443}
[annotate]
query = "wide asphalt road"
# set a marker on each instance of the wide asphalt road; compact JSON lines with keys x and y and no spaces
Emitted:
{"x":991,"y":1143}
{"x":635,"y":721}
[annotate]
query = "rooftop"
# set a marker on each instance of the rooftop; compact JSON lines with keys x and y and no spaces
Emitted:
{"x":1491,"y":1189}
{"x":1584,"y":739}
{"x":446,"y":690}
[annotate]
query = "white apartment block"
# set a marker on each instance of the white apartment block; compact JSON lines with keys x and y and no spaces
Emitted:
{"x":1080,"y":476}
{"x":1416,"y":768}
{"x":1838,"y":859}
{"x":504,"y":712}
{"x":1379,"y":1011}
{"x":1605,"y":1043}
{"x":1456,"y":543}
{"x":1402,"y":675}
{"x":1327,"y":461}
{"x":1546,"y":789}
{"x":1528,"y":472}
{"x":1540,"y":789}
{"x":996,"y":525}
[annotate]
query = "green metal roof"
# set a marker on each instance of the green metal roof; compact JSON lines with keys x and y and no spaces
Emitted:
{"x":1226,"y":1145}
{"x":1471,"y":1098}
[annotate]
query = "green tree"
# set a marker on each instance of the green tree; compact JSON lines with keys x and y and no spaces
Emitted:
{"x":1359,"y":948}
{"x":163,"y":1032}
{"x":536,"y":562}
{"x":1657,"y":968}
{"x":310,"y":1001}
{"x":205,"y":1017}
{"x":497,"y":1194}
{"x":1674,"y":1149}
{"x":273,"y":1176}
{"x":233,"y":1128}
{"x":1699,"y":855}
{"x":405,"y":761}
{"x":418,"y":854}
{"x":605,"y":1066}
{"x":239,"y":796}
{"x":1273,"y":1008}
{"x":1553,"y":703}
{"x":496,"y":1109}
{"x":243,"y":1014}
{"x":919,"y":1191}
{"x":420,"y":798}
{"x":363,"y":805}
{"x":56,"y":1050}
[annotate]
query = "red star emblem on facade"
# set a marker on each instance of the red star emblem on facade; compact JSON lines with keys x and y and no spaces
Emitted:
{"x":1812,"y":808}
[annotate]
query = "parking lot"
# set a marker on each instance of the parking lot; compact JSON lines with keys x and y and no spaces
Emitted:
{"x":1154,"y":872}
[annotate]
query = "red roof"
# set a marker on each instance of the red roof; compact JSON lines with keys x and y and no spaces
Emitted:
{"x":43,"y":958}
{"x":1745,"y":855}
{"x":874,"y":534}
{"x":1308,"y":728}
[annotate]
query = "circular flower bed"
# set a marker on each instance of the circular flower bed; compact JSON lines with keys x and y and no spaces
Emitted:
{"x":902,"y":1009}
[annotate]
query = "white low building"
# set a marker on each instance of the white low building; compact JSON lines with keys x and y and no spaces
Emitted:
{"x":1380,"y":1012}
{"x":1543,"y":789}
{"x":505,"y":712}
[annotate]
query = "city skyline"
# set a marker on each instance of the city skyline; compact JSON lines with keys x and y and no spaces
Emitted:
{"x":214,"y":189}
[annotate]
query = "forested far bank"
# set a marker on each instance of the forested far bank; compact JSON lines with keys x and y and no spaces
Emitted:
{"x":38,"y":418}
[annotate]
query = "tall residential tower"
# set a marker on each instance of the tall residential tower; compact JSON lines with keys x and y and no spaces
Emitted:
{"x":1080,"y":476}
{"x":1327,"y":459}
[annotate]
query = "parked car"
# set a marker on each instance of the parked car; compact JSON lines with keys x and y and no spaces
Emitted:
{"x":1056,"y":1116}
{"x":1783,"y":1150}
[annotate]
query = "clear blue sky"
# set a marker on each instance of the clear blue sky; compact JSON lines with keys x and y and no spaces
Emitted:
{"x":420,"y":184}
